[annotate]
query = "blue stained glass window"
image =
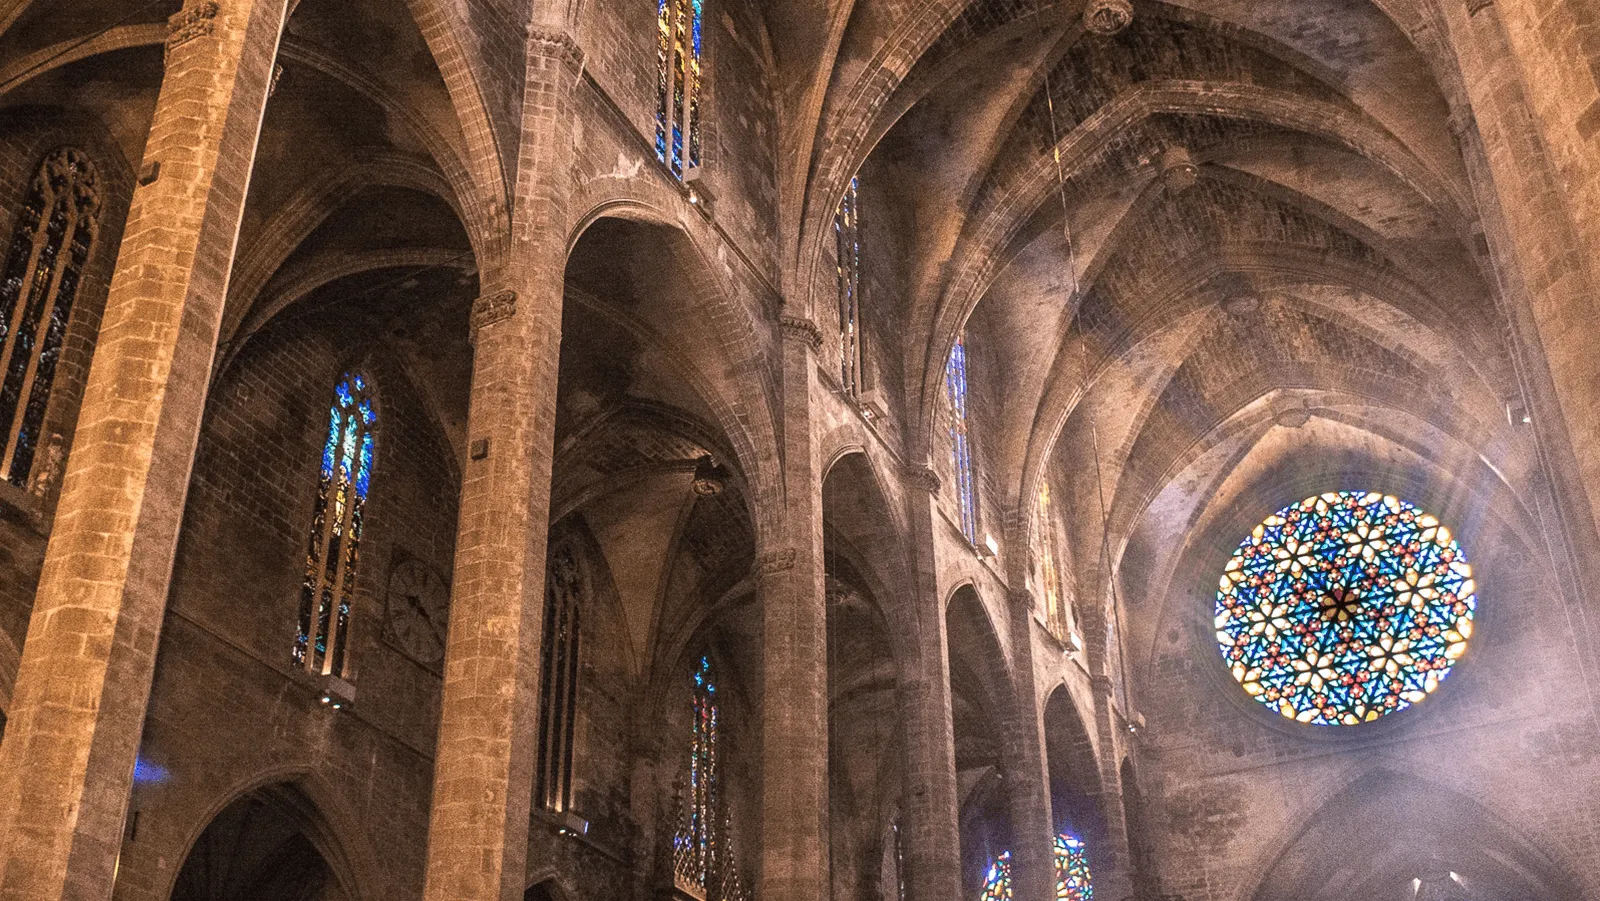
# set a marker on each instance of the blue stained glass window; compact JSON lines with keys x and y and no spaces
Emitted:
{"x":847,"y":230}
{"x":1344,"y":608}
{"x":1073,"y":881}
{"x":678,"y":49}
{"x":50,"y":246}
{"x":955,"y":380}
{"x":344,"y":481}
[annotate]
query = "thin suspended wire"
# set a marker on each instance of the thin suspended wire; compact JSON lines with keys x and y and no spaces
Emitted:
{"x":1103,"y":562}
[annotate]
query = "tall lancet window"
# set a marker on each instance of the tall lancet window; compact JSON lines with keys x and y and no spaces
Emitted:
{"x":558,"y":712}
{"x":1055,"y":602}
{"x":955,"y":382}
{"x":334,"y":547}
{"x":678,"y":84}
{"x":55,"y":232}
{"x":702,"y":846}
{"x":847,"y":227}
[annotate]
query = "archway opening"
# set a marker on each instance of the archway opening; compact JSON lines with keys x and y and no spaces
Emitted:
{"x":264,"y":846}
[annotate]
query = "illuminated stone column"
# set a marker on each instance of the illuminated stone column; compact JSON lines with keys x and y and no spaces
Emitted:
{"x":483,"y":770}
{"x":794,"y":735}
{"x":66,"y":767}
{"x":931,"y":834}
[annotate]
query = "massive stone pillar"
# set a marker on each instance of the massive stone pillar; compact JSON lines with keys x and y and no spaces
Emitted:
{"x":483,"y":770}
{"x":794,"y":719}
{"x":1115,"y":881}
{"x":66,"y":768}
{"x":1543,"y":237}
{"x":1027,"y":769}
{"x":930,"y":830}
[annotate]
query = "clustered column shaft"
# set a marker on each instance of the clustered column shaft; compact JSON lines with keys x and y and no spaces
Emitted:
{"x":483,"y":770}
{"x":794,"y":835}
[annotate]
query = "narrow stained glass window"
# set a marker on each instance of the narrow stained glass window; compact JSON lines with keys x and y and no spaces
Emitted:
{"x":1055,"y":603}
{"x":558,"y":712}
{"x":1344,"y":608}
{"x":702,"y":847}
{"x":343,"y":484}
{"x":678,"y":84}
{"x":50,"y":246}
{"x":847,"y":228}
{"x":955,"y":380}
{"x":1073,"y":882}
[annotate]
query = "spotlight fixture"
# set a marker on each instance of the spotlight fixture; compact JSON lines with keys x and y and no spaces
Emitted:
{"x":336,"y":694}
{"x":710,"y":478}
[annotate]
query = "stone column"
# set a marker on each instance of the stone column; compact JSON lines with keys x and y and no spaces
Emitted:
{"x":483,"y":770}
{"x":1117,"y":880}
{"x":794,"y":719}
{"x":1547,"y":275}
{"x":931,"y":833}
{"x":66,"y":768}
{"x":1033,"y":869}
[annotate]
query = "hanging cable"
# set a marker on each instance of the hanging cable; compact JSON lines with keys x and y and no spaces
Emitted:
{"x":1104,"y":561}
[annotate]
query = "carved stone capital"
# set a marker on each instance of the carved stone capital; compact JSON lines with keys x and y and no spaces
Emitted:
{"x":804,"y":330}
{"x":196,"y":20}
{"x":490,"y":309}
{"x":924,"y":478}
{"x":558,"y":45}
{"x":775,"y":562}
{"x":1107,"y":17}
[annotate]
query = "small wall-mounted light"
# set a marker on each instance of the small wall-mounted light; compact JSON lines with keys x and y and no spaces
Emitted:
{"x":337,"y":694}
{"x":1517,"y":412}
{"x":570,"y":825}
{"x":695,"y":189}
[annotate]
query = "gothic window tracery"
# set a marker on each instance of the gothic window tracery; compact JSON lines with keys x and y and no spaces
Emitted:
{"x":955,"y":380}
{"x":702,"y":845}
{"x":1344,"y":608}
{"x":564,"y":593}
{"x":344,"y":481}
{"x":678,"y":77}
{"x":50,"y":247}
{"x":847,"y":228}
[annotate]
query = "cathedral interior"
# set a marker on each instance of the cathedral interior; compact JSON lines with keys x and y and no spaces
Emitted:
{"x":823,"y":450}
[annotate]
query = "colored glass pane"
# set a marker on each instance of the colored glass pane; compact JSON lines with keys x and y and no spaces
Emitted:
{"x":344,"y":480}
{"x":55,"y":232}
{"x":1344,"y":608}
{"x":847,"y":230}
{"x":960,"y":441}
{"x":678,"y":51}
{"x":1073,"y":881}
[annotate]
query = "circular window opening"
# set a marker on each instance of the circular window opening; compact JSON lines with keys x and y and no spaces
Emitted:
{"x":1344,"y":608}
